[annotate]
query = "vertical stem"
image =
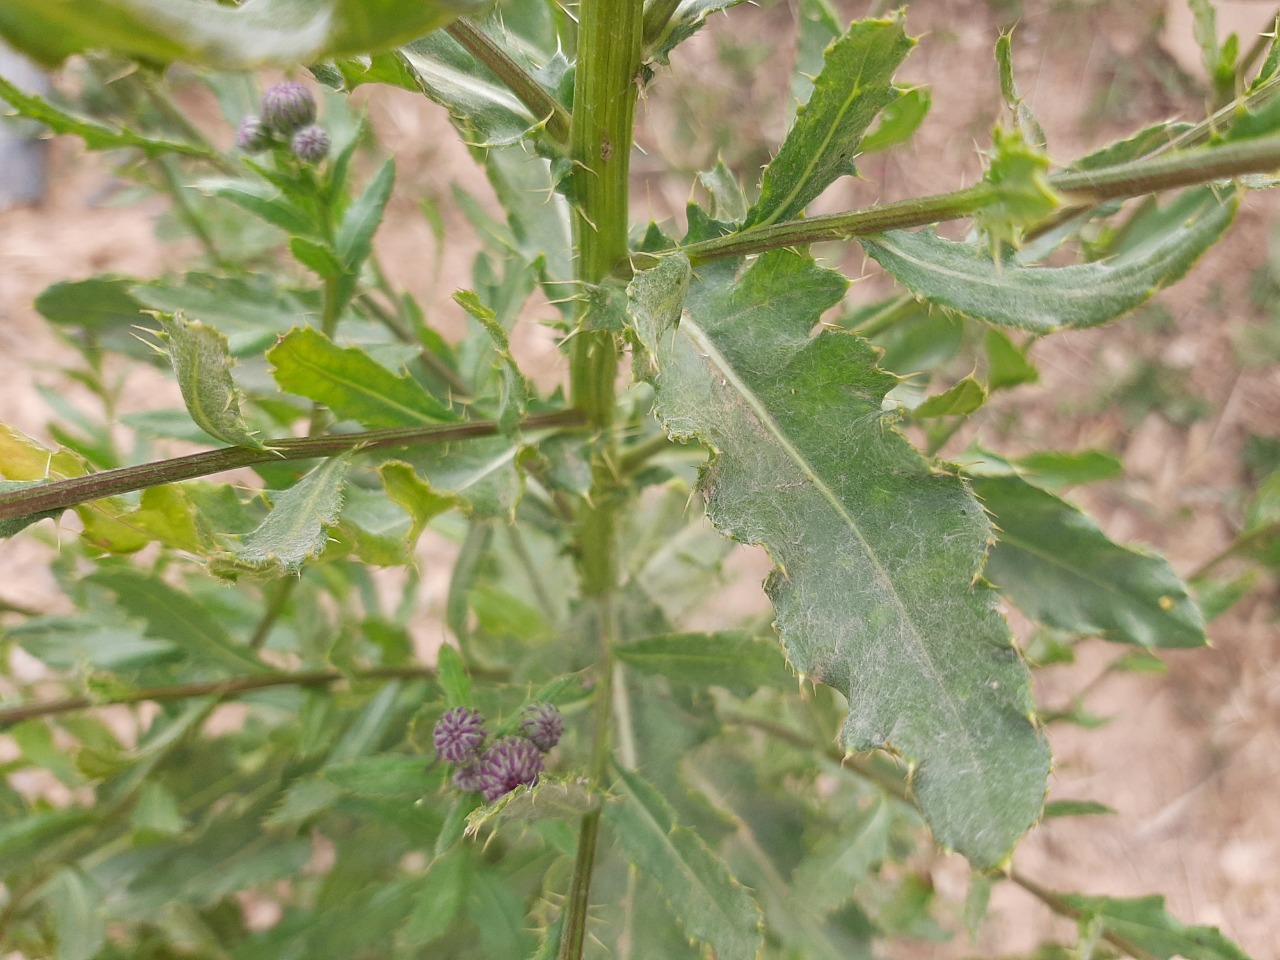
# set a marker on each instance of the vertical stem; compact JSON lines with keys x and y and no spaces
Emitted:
{"x":609,"y":51}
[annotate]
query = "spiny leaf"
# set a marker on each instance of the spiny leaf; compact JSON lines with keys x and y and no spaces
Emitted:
{"x":1043,"y":299}
{"x":961,"y":399}
{"x":898,"y":121}
{"x":687,"y":20}
{"x":550,"y":798}
{"x":264,"y":32}
{"x":295,"y":529}
{"x":1059,"y":568}
{"x":877,"y":554}
{"x":486,"y":110}
{"x":1144,"y":922}
{"x":710,"y":904}
{"x":853,"y":86}
{"x":415,"y":495}
{"x":354,"y":241}
{"x":203,"y":364}
{"x":736,"y":661}
{"x":96,"y":136}
{"x":350,"y":382}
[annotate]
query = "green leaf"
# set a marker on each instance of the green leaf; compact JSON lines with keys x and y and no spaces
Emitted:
{"x":1075,"y":808}
{"x":79,"y":915}
{"x":175,"y":615}
{"x":203,"y":364}
{"x":454,"y":679}
{"x":281,"y":33}
{"x":1022,"y":195}
{"x":1144,"y":922}
{"x":727,"y":200}
{"x":842,"y":859}
{"x":1059,"y":568}
{"x":482,"y":106}
{"x":963,"y":276}
{"x":354,"y":241}
{"x":516,"y":389}
{"x":438,"y":900}
{"x":295,"y":529}
{"x":316,"y":257}
{"x":351,"y":383}
{"x":388,"y":775}
{"x":1007,"y":365}
{"x":710,"y":904}
{"x":156,"y":815}
{"x":1054,"y":469}
{"x":854,"y":84}
{"x":688,"y":18}
{"x":96,"y":136}
{"x":898,"y":121}
{"x":415,"y":495}
{"x":549,"y":799}
{"x":736,"y":661}
{"x":262,"y":200}
{"x":875,"y":586}
{"x":959,"y":400}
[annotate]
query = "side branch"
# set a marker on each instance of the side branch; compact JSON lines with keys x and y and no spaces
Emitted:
{"x":1078,"y":189}
{"x":218,"y":688}
{"x":60,"y":494}
{"x":527,"y":90}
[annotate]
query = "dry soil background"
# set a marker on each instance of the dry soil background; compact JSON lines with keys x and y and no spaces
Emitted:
{"x":1190,"y":760}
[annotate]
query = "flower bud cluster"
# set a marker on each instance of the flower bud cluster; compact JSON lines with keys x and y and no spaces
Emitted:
{"x":286,"y":115}
{"x":495,"y":769}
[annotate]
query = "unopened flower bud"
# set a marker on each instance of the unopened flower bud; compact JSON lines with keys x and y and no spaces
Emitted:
{"x":287,"y":107}
{"x":459,"y":734}
{"x":507,"y":764}
{"x":252,"y":136}
{"x":310,"y":144}
{"x":543,"y":724}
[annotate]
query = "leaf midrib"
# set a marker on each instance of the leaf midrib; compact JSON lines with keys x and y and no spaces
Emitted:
{"x":704,"y":345}
{"x":381,"y":398}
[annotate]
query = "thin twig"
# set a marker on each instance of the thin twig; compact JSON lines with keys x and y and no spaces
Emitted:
{"x":60,"y":494}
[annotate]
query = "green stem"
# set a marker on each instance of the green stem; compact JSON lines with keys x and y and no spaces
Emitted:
{"x":275,"y":607}
{"x":527,"y":90}
{"x":222,"y":689}
{"x":1077,"y":189}
{"x":610,"y":40}
{"x":1063,"y":908}
{"x":60,"y":494}
{"x":198,"y":228}
{"x":638,"y":454}
{"x":657,"y":14}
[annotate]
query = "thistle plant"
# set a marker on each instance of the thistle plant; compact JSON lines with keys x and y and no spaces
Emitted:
{"x":575,"y":769}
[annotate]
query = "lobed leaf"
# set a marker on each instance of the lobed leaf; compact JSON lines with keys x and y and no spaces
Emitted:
{"x":96,"y":136}
{"x":876,"y":554}
{"x":257,"y":33}
{"x":202,"y":362}
{"x":964,"y":277}
{"x":855,"y":83}
{"x":688,"y":18}
{"x":710,"y":905}
{"x":296,"y":528}
{"x":551,"y":798}
{"x":730,"y":659}
{"x":350,"y":382}
{"x":1059,"y":568}
{"x":1144,"y":922}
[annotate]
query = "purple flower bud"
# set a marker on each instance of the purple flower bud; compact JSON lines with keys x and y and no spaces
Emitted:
{"x":252,"y":136}
{"x":459,"y":734}
{"x":310,"y":144}
{"x":506,"y":765}
{"x":543,"y":724}
{"x":467,"y":777}
{"x":288,"y":106}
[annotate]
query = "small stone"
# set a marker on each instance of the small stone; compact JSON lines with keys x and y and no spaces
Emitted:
{"x":287,"y":107}
{"x":310,"y":144}
{"x":459,"y":734}
{"x":543,"y":724}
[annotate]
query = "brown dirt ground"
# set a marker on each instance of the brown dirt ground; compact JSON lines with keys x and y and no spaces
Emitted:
{"x":1190,"y":760}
